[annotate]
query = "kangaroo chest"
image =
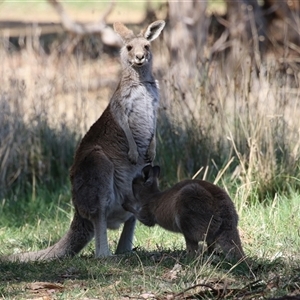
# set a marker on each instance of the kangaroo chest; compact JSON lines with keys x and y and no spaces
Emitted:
{"x":141,"y":109}
{"x":140,"y":103}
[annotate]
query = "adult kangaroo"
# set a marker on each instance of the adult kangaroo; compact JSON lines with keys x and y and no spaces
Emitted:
{"x":114,"y":150}
{"x":198,"y":209}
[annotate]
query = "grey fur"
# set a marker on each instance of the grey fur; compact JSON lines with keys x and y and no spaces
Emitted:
{"x":116,"y":148}
{"x":198,"y":209}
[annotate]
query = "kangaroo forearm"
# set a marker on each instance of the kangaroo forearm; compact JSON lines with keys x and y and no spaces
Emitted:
{"x":131,"y":142}
{"x":152,"y":149}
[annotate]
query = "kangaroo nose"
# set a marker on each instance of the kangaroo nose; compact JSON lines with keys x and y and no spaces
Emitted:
{"x":140,"y":56}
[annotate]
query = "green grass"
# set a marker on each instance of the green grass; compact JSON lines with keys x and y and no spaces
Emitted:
{"x":158,"y":266}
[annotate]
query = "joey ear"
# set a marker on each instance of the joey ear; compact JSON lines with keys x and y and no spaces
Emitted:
{"x":148,"y":175}
{"x":146,"y":172}
{"x":125,"y":33}
{"x":156,"y":171}
{"x":153,"y":30}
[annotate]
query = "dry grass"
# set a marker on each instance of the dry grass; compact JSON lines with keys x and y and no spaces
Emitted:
{"x":47,"y":101}
{"x":239,"y":117}
{"x":234,"y":114}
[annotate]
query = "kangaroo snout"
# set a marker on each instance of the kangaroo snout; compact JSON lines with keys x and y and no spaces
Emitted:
{"x":140,"y":58}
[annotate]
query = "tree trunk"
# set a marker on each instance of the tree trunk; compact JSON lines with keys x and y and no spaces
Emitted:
{"x":187,"y":27}
{"x":247,"y":29}
{"x":284,"y":20}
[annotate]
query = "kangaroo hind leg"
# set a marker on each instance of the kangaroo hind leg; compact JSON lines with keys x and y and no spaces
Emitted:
{"x":101,"y":240}
{"x":93,"y":187}
{"x":105,"y":199}
{"x":126,"y":238}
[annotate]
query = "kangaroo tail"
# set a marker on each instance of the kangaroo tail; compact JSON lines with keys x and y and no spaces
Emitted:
{"x":78,"y":236}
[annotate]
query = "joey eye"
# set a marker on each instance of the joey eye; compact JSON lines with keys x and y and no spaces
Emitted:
{"x":129,"y":47}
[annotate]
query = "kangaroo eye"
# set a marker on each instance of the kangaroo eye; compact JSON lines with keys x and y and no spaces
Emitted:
{"x":147,"y":47}
{"x":129,"y":47}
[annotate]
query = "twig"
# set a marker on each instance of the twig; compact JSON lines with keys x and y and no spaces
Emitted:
{"x":195,"y":286}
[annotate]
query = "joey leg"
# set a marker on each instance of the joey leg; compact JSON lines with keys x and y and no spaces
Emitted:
{"x":191,"y":246}
{"x":230,"y":243}
{"x":211,"y":245}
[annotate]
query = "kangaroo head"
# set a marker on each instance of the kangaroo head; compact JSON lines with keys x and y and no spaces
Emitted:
{"x":146,"y":184}
{"x":136,"y":50}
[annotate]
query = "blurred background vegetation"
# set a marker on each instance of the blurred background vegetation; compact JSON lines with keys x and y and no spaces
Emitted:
{"x":229,"y":81}
{"x":229,"y":77}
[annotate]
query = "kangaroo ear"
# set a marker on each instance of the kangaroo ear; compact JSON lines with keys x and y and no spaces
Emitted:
{"x":125,"y":33}
{"x":153,"y":30}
